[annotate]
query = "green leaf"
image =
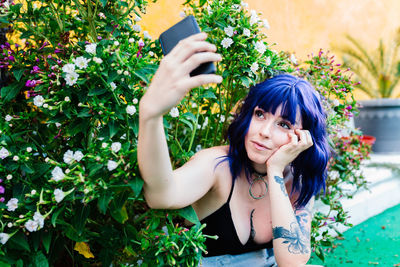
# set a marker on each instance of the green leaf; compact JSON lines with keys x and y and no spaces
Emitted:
{"x":112,"y":76}
{"x":55,"y":216}
{"x":84,"y":113}
{"x":189,"y":214}
{"x":136,"y":184}
{"x":103,"y":201}
{"x":19,"y":241}
{"x":103,"y":2}
{"x":202,"y":2}
{"x":113,"y":128}
{"x":320,"y":253}
{"x":208,"y":95}
{"x":97,"y":91}
{"x":245,"y":81}
{"x":27,"y":169}
{"x":117,"y":206}
{"x":8,"y":93}
{"x":39,"y":260}
{"x":18,"y":74}
{"x":79,"y":220}
{"x":46,"y":239}
{"x":120,"y":215}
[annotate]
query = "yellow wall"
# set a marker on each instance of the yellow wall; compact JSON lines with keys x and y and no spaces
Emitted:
{"x":304,"y":26}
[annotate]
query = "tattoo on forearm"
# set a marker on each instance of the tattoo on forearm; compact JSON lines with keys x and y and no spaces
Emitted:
{"x":296,"y":238}
{"x":280,"y":181}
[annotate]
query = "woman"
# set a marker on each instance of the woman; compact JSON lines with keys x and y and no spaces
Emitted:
{"x":257,"y":192}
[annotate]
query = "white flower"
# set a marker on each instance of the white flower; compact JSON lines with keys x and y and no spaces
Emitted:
{"x":10,"y":224}
{"x":97,"y":60}
{"x":78,"y":155}
{"x":131,"y":40}
{"x":57,"y":174}
{"x":29,"y":149}
{"x":151,"y":53}
{"x":68,"y":156}
{"x":113,"y":86}
{"x":4,"y":238}
{"x":130,"y":110}
{"x":268,"y":61}
{"x":246,"y":32}
{"x":266,"y":24}
{"x":165,"y":230}
{"x":58,"y":124}
{"x":119,"y":72}
{"x":37,"y":217}
{"x":244,"y":4}
{"x":335,"y":102}
{"x":91,"y":48}
{"x":68,"y":68}
{"x":112,"y":165}
{"x":139,"y":262}
{"x":253,"y":17}
{"x":182,"y":14}
{"x":101,"y":15}
{"x":81,"y":62}
{"x":8,"y":117}
{"x":205,"y":122}
{"x":45,"y":105}
{"x":104,"y":145}
{"x":12,"y":204}
{"x":146,"y":35}
{"x":236,"y":7}
{"x":9,"y":177}
{"x":38,"y":100}
{"x":260,"y":47}
{"x":15,"y":158}
{"x":135,"y":101}
{"x":126,"y":73}
{"x":229,"y":31}
{"x":4,"y":153}
{"x":293,"y":59}
{"x":226,"y":42}
{"x":31,"y":225}
{"x":59,"y":195}
{"x":116,"y":43}
{"x":222,"y":118}
{"x":71,"y":78}
{"x":116,"y":146}
{"x":174,"y":112}
{"x":33,"y":192}
{"x":198,"y":148}
{"x":254,"y":67}
{"x":137,"y":18}
{"x":67,"y":99}
{"x":136,"y":28}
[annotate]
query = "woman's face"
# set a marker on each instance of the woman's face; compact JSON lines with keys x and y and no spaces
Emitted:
{"x":267,"y":133}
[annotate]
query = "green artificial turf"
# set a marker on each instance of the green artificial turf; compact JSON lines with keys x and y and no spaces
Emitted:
{"x":375,"y":242}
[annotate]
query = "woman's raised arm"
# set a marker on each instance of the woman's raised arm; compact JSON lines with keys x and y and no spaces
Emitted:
{"x":169,"y":85}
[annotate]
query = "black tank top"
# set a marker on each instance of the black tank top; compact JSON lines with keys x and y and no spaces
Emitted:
{"x":220,"y":223}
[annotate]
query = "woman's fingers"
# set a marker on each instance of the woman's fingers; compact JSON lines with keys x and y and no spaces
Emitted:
{"x":198,"y":80}
{"x":305,"y":138}
{"x":195,"y":60}
{"x":191,"y":45}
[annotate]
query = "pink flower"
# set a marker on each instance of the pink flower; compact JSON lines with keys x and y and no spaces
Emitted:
{"x":30,"y":83}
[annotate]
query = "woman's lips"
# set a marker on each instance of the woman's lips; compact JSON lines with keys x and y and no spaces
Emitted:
{"x":259,"y":146}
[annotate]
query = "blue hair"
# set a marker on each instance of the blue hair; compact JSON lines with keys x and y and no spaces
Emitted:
{"x":310,"y":167}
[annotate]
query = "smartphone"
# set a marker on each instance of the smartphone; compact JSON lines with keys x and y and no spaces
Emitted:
{"x":185,"y":28}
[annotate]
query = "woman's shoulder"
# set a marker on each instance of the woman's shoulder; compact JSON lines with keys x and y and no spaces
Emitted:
{"x":213,"y":153}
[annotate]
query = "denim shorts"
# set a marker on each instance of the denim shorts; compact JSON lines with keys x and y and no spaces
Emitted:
{"x":259,"y":258}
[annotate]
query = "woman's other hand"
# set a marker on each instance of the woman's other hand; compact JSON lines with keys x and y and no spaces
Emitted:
{"x":300,"y":140}
{"x":172,"y":80}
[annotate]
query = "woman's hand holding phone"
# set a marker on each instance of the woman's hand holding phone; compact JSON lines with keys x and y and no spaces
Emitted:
{"x":172,"y":81}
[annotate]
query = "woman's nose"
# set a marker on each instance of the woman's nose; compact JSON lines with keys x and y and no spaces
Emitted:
{"x":265,"y":129}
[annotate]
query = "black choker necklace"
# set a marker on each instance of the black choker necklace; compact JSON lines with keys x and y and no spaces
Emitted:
{"x":259,"y":177}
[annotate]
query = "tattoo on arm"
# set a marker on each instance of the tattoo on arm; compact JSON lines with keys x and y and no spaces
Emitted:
{"x":296,"y":238}
{"x":280,"y":181}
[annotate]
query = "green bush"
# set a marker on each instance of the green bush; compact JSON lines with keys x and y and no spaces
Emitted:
{"x":72,"y":189}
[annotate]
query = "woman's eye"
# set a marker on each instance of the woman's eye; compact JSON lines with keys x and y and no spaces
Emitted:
{"x":259,"y":113}
{"x":285,"y":125}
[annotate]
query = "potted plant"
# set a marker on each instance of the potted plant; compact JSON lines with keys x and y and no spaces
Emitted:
{"x":378,"y":76}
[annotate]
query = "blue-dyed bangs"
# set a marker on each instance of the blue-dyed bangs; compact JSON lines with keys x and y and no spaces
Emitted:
{"x":293,"y":95}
